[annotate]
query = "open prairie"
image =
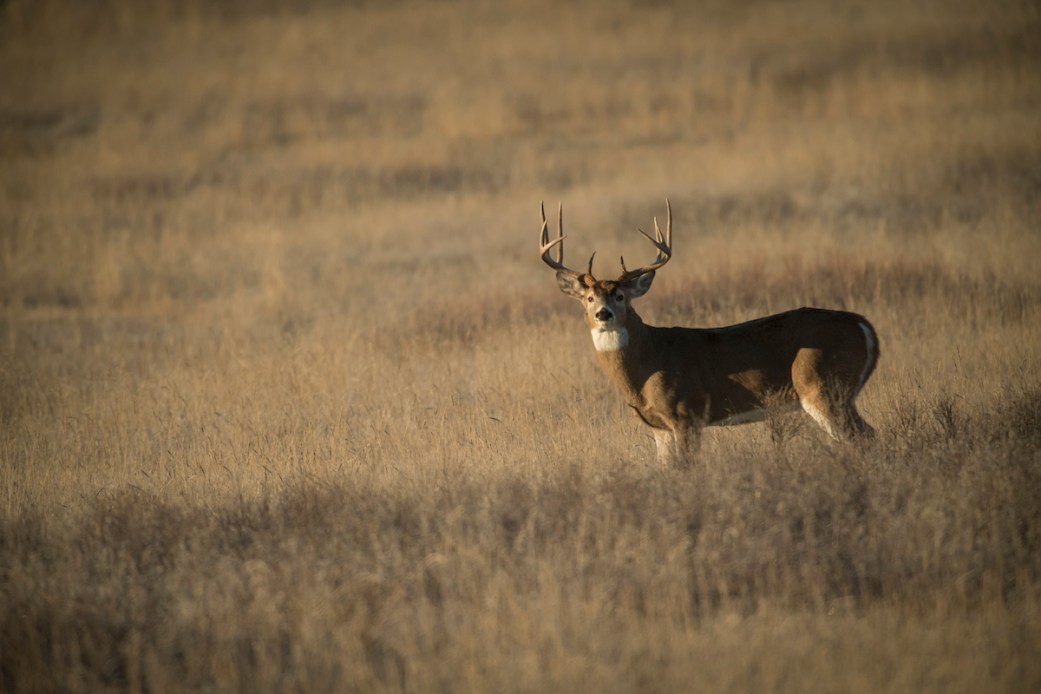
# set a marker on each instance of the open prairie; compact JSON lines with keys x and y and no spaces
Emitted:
{"x":289,"y":403}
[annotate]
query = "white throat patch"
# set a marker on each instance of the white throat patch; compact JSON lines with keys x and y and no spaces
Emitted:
{"x":609,"y":340}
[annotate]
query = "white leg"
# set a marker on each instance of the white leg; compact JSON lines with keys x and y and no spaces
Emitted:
{"x":688,"y":442}
{"x":665,"y":442}
{"x":821,"y":418}
{"x":677,"y":448}
{"x":844,"y":425}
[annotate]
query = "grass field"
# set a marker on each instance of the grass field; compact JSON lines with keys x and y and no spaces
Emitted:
{"x":289,"y":403}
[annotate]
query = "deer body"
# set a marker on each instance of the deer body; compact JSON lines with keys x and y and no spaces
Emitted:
{"x":679,"y":380}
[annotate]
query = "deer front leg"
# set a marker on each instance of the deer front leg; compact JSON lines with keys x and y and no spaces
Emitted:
{"x":665,"y":442}
{"x":688,"y":442}
{"x":677,"y":447}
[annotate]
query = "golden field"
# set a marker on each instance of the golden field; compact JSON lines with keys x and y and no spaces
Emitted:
{"x":289,"y":403}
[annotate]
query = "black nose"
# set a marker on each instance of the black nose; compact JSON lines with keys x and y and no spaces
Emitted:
{"x":604,"y":315}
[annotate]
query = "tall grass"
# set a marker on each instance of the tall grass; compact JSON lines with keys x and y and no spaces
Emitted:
{"x":289,"y":403}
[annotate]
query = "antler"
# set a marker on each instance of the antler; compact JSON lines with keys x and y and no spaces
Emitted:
{"x":545,"y":245}
{"x":662,"y":243}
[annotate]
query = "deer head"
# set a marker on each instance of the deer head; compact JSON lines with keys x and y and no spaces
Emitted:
{"x":606,"y":303}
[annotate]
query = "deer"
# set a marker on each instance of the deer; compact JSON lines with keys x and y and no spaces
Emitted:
{"x":679,"y":380}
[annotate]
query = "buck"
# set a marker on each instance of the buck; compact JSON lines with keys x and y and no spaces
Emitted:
{"x":680,"y":380}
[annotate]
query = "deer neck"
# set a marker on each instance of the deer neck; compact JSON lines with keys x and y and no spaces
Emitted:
{"x":619,"y":340}
{"x":618,"y":351}
{"x":617,"y":347}
{"x":607,"y":342}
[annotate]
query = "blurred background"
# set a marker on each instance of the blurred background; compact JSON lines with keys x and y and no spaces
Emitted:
{"x":287,"y":399}
{"x":154,"y":153}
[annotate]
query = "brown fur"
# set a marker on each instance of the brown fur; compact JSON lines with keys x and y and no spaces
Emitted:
{"x":679,"y":380}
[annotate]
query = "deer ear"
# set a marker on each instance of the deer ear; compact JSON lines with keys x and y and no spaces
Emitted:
{"x":638,"y":286}
{"x":570,"y":284}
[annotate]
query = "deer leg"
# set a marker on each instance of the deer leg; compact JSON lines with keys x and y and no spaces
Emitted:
{"x":688,"y":442}
{"x":665,"y":442}
{"x":818,"y":408}
{"x":827,"y":389}
{"x":677,"y":447}
{"x":842,"y":422}
{"x":854,"y":424}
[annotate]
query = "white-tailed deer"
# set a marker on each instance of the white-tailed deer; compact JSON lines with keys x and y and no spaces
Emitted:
{"x":679,"y":380}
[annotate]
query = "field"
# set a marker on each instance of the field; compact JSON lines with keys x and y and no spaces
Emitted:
{"x":289,"y":403}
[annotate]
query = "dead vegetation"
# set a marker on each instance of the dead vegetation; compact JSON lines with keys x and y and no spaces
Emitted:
{"x":287,"y":401}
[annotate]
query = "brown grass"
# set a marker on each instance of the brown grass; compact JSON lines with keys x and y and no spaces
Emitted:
{"x":288,"y":403}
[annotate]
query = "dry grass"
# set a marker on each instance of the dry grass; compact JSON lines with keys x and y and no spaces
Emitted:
{"x":288,"y":402}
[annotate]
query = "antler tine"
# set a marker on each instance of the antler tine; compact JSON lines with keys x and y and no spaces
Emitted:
{"x":560,"y":225}
{"x":668,"y":223}
{"x":662,"y":242}
{"x":545,"y":245}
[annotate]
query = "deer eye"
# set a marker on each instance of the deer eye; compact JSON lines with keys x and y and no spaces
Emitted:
{"x":589,"y":299}
{"x":619,"y":296}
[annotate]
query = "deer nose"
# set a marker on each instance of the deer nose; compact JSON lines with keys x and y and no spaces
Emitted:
{"x":604,"y":315}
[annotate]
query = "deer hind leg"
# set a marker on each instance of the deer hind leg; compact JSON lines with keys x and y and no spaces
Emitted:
{"x":817,"y":408}
{"x":835,"y":415}
{"x":854,"y":424}
{"x":827,"y":391}
{"x":812,"y":394}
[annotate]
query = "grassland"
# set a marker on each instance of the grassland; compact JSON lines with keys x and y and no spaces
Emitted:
{"x":288,"y":402}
